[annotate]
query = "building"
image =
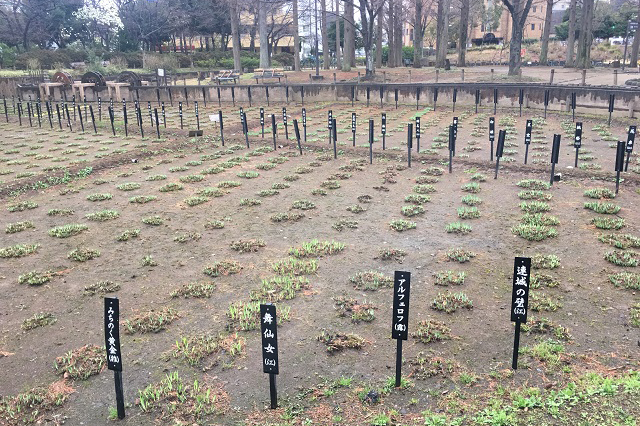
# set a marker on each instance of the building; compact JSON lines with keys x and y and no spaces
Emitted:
{"x":532,"y":29}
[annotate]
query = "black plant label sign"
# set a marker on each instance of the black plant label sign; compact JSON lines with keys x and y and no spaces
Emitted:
{"x":180,"y":109}
{"x":353,"y":121}
{"x":527,"y":132}
{"x":417,"y":127}
{"x":492,"y":129}
{"x":269,"y":329}
{"x":284,"y":115}
{"x":455,"y":127}
{"x":330,"y":118}
{"x":577,"y":142}
{"x":304,"y":117}
{"x":401,"y":290}
{"x":631,"y":137}
{"x":520,"y":291}
{"x":112,"y":333}
{"x":261,"y":116}
{"x":384,"y":124}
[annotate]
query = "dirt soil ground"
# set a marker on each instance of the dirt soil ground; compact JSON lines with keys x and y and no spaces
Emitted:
{"x":190,"y":203}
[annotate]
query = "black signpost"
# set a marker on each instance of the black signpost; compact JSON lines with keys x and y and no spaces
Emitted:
{"x":368,"y":95}
{"x":409,"y":143}
{"x":519,"y":300}
{"x":219,"y":101}
{"x":577,"y":141}
{"x":155,"y":111}
{"x":452,"y":148}
{"x":197,"y":116}
{"x":619,"y":162}
{"x":395,"y":95}
{"x":546,"y":102}
{"x":245,"y":128}
{"x":353,"y":127}
{"x":59,"y":119}
{"x":99,"y":108}
{"x":164,"y":117}
{"x":266,"y":90}
{"x":417,"y":98}
{"x":80,"y":115}
{"x":113,"y":129}
{"x":140,"y":123}
{"x":297,"y":131}
{"x":150,"y":113}
{"x":418,"y":135}
{"x":269,"y":332}
{"x":248,"y":95}
{"x":29,"y":113}
{"x":334,"y":128}
{"x":383,"y":130}
{"x":371,"y":141}
{"x":262,"y":121}
{"x":435,"y":100}
{"x":329,"y":124}
{"x":521,"y":100}
{"x":353,"y":94}
{"x":284,"y":121}
{"x":612,"y":100}
{"x":66,"y":108}
{"x":112,"y":344}
{"x":273,"y":129}
{"x":573,"y":106}
{"x":48,"y":114}
{"x":381,"y":95}
{"x":555,"y":154}
{"x":400,"y":317}
{"x":455,"y":98}
{"x":631,"y":137}
{"x":495,"y":100}
{"x":455,"y":133}
{"x":477,"y":99}
{"x":499,"y":150}
{"x":6,"y":113}
{"x":492,"y":135}
{"x":73,"y":106}
{"x":221,"y":126}
{"x":38,"y":111}
{"x":527,"y":139}
{"x":93,"y":119}
{"x":180,"y":113}
{"x":304,"y":123}
{"x":126,"y":119}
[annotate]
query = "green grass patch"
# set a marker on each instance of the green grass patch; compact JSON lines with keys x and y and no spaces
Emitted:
{"x":450,"y":302}
{"x":12,"y":228}
{"x":622,"y":258}
{"x":602,"y":208}
{"x":608,"y":222}
{"x":102,"y":215}
{"x":151,"y":322}
{"x":401,"y":225}
{"x":428,"y":331}
{"x":316,"y":248}
{"x":82,"y":254}
{"x":458,"y":228}
{"x":222,"y":268}
{"x":370,"y":280}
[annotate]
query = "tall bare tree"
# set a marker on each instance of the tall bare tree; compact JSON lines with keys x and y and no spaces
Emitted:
{"x":296,"y":38}
{"x":417,"y":35}
{"x":633,"y":60}
{"x":519,"y":10}
{"x":369,"y":10}
{"x":464,"y":33}
{"x":349,"y":59}
{"x":571,"y":39}
{"x":325,"y":35}
{"x":546,"y":31}
{"x":262,"y":30}
{"x":338,"y":62}
{"x":391,"y":57}
{"x":585,"y":36}
{"x":399,"y":24}
{"x":442,"y":32}
{"x":379,"y":40}
{"x":235,"y":34}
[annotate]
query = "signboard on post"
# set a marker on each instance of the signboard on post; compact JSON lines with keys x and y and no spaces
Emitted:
{"x":400,"y":318}
{"x":519,"y":300}
{"x":492,"y":135}
{"x":112,"y":344}
{"x":269,"y":331}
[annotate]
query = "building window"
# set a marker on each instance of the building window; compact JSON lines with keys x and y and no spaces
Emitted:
{"x":533,"y":26}
{"x":411,"y":35}
{"x":534,"y":9}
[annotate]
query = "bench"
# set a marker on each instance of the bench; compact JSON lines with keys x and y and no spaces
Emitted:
{"x":227,"y":75}
{"x":268,"y":73}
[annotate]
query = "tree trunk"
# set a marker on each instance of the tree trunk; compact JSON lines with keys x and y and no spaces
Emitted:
{"x":544,"y":50}
{"x":398,"y":30}
{"x":379,"y":41}
{"x":633,"y":60}
{"x":515,"y":59}
{"x":296,"y":38}
{"x":325,"y":36}
{"x":262,"y":31}
{"x":235,"y":34}
{"x":417,"y":36}
{"x":391,"y":56}
{"x":464,"y":33}
{"x":252,"y":37}
{"x":349,"y":59}
{"x":583,"y":56}
{"x":338,"y":62}
{"x":571,"y":40}
{"x":442,"y":32}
